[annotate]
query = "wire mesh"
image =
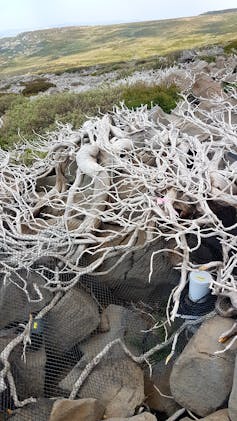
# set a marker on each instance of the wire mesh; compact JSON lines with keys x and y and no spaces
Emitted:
{"x":85,"y":319}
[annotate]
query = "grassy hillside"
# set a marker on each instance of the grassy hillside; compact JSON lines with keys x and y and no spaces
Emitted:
{"x":217,"y":12}
{"x":57,"y":49}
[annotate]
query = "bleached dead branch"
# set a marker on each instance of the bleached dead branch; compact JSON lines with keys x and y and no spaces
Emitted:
{"x":99,"y":190}
{"x":130,"y":170}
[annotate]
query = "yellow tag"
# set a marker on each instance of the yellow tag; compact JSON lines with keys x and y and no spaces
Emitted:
{"x":35,"y":325}
{"x":200,"y":278}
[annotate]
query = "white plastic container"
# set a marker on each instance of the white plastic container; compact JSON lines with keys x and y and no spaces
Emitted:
{"x":199,"y":285}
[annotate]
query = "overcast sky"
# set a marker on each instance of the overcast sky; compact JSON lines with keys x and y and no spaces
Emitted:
{"x":34,"y":14}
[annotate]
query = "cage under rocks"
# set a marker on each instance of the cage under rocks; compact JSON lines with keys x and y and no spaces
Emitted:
{"x":58,"y":346}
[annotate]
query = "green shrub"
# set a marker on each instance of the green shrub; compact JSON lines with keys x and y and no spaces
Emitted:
{"x":6,"y":101}
{"x":231,"y":47}
{"x":26,"y":116}
{"x":140,"y":94}
{"x":208,"y":59}
{"x":37,"y":85}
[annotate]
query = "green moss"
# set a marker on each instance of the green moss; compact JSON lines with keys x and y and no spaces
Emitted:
{"x":140,"y":94}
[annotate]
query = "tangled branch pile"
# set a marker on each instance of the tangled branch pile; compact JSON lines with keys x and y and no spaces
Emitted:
{"x":118,"y":184}
{"x":123,"y":182}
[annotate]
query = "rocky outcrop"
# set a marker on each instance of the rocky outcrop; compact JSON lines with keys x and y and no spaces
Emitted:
{"x":77,"y":410}
{"x":201,"y":380}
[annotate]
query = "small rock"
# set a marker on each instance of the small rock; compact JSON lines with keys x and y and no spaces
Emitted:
{"x":233,"y":397}
{"x":206,"y":87}
{"x":231,"y":78}
{"x":220,"y":62}
{"x":73,"y":319}
{"x":161,"y":379}
{"x":187,"y":56}
{"x":104,"y":323}
{"x":77,"y":410}
{"x":201,"y":380}
{"x":157,"y":114}
{"x":199,"y":66}
{"x":193,"y":130}
{"x":145,"y":416}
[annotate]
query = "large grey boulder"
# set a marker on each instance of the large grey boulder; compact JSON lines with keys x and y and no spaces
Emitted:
{"x":116,"y":381}
{"x":71,"y":320}
{"x":77,"y":410}
{"x":14,"y":304}
{"x":221,"y":415}
{"x":116,"y":322}
{"x":201,"y":380}
{"x":233,"y":396}
{"x":129,"y":279}
{"x":30,"y":374}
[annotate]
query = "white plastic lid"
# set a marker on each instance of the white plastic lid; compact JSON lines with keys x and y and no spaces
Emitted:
{"x":199,"y":283}
{"x":201,"y":277}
